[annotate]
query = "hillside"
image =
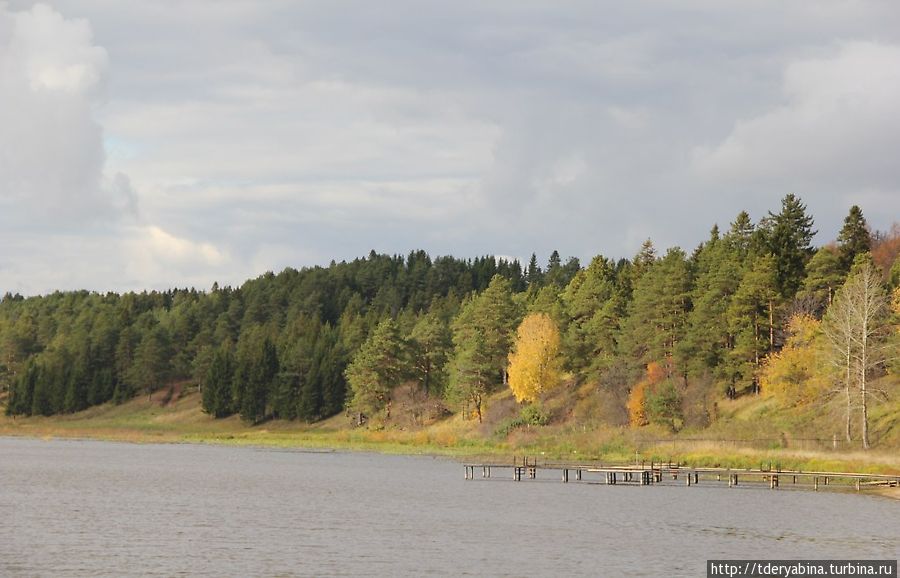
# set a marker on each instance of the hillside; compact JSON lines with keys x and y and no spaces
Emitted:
{"x":750,"y":432}
{"x":755,"y":339}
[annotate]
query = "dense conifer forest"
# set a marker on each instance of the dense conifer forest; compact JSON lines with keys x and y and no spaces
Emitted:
{"x":754,"y":308}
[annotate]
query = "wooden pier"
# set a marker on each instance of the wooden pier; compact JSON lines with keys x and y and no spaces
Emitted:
{"x":646,"y":474}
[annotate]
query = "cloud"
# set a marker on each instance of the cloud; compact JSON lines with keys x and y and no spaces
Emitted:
{"x":837,"y":128}
{"x":51,"y":150}
{"x":158,"y":144}
{"x":150,"y":252}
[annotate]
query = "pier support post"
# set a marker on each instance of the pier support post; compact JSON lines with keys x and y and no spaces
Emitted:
{"x":578,"y":475}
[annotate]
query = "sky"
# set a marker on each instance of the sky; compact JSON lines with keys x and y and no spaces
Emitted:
{"x":150,"y":145}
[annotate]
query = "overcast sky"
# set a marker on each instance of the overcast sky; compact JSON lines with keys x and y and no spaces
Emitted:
{"x":168,"y":143}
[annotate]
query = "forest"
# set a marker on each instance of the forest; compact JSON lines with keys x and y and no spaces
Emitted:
{"x":755,"y":308}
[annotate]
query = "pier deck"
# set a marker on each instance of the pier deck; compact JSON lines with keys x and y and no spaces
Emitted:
{"x":646,"y":474}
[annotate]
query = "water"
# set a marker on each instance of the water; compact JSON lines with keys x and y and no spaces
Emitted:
{"x":84,"y":508}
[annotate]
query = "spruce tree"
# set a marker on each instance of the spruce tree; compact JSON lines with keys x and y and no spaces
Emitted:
{"x":555,"y":274}
{"x":217,"y":390}
{"x":534,"y":276}
{"x":789,"y":236}
{"x":854,"y":238}
{"x":261,"y":372}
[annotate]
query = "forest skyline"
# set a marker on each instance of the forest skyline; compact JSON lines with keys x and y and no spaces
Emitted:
{"x":264,"y":135}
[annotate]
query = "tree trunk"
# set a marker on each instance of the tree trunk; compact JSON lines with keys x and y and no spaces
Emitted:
{"x":863,"y":366}
{"x":847,"y":389}
{"x":771,"y":326}
{"x":865,"y":417}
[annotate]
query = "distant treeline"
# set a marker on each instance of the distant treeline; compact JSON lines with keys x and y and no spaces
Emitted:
{"x":310,"y":343}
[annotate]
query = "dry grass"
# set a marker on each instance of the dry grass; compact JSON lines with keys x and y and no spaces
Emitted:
{"x":576,"y":433}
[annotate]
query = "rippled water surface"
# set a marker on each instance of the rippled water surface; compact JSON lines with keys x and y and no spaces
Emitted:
{"x":84,"y":508}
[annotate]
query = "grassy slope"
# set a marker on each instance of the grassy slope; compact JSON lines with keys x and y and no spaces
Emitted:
{"x":567,"y":437}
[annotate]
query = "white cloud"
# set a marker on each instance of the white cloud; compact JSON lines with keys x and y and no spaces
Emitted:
{"x":256,"y":135}
{"x":51,"y":150}
{"x":152,"y":253}
{"x":837,"y":128}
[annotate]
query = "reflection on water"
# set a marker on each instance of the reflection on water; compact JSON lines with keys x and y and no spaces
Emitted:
{"x":80,"y":508}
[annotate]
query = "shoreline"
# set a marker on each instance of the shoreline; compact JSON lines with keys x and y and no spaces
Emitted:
{"x":182,"y":421}
{"x":298,"y":445}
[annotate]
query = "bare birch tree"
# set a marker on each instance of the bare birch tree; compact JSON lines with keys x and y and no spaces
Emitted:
{"x":856,"y":326}
{"x":838,"y":328}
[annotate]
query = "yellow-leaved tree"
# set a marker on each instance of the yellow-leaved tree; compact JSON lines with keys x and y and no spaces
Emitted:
{"x":637,"y":400}
{"x":798,"y":374}
{"x":534,"y":364}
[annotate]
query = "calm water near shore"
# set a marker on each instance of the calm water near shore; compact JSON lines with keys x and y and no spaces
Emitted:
{"x":87,"y":508}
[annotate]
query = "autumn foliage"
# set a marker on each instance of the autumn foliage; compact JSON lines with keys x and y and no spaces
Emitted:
{"x":797,"y":374}
{"x":637,"y":399}
{"x":534,"y":364}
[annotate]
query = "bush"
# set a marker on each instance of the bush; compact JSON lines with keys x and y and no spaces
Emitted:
{"x":531,"y":415}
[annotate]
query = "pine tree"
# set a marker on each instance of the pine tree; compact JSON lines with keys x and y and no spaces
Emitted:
{"x":472,"y":374}
{"x":824,"y":275}
{"x":150,"y":368}
{"x":751,"y":322}
{"x":594,"y":310}
{"x":494,"y":316}
{"x":430,"y":342}
{"x":375,"y":370}
{"x":718,"y":274}
{"x":657,"y":315}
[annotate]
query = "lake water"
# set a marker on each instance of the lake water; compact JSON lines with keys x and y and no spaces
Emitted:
{"x":85,"y":508}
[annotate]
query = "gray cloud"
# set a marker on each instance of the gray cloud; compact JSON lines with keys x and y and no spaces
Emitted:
{"x":256,"y":135}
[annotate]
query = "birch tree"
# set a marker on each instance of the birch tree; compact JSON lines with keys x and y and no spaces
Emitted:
{"x":534,"y":364}
{"x":857,"y":327}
